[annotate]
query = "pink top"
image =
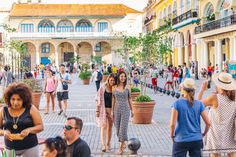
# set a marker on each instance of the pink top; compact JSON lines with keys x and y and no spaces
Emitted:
{"x":50,"y":84}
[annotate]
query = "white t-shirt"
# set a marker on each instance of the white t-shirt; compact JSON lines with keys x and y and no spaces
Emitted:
{"x":58,"y":78}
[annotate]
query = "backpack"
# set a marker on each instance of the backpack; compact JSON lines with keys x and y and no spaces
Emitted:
{"x":99,"y":76}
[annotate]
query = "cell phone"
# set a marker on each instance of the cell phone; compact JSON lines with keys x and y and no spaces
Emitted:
{"x":209,"y":84}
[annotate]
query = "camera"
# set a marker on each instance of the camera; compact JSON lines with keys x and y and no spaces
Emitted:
{"x":209,"y":84}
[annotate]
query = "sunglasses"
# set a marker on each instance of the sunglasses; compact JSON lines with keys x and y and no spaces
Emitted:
{"x":68,"y":127}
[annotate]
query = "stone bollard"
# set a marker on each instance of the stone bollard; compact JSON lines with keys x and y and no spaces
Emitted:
{"x":134,"y":145}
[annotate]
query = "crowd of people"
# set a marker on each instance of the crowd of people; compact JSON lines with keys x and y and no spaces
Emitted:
{"x":20,"y":121}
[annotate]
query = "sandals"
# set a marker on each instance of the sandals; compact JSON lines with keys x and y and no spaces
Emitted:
{"x":103,"y":148}
{"x":121,"y":149}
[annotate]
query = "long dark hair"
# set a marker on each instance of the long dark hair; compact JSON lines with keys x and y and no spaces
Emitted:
{"x":118,"y":78}
{"x":57,"y":144}
{"x":230,"y":94}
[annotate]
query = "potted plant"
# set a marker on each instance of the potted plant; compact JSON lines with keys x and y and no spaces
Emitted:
{"x":36,"y":91}
{"x":85,"y":76}
{"x":105,"y":76}
{"x":135,"y":92}
{"x":143,"y":107}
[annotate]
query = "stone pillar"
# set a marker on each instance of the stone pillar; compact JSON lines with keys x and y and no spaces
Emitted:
{"x":199,"y":53}
{"x":205,"y":55}
{"x":186,"y":55}
{"x":193,"y":52}
{"x":37,"y":54}
{"x":232,"y":48}
{"x":180,"y":56}
{"x":56,"y":59}
{"x":218,"y":54}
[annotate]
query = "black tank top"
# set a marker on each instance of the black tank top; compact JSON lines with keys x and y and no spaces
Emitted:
{"x":25,"y":121}
{"x":107,"y":99}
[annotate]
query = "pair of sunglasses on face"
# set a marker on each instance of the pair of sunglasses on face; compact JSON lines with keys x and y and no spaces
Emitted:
{"x":68,"y":127}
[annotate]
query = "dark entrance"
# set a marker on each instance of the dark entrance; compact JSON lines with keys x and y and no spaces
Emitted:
{"x":68,"y":56}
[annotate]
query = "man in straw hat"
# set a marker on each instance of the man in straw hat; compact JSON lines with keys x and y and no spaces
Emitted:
{"x":222,"y":113}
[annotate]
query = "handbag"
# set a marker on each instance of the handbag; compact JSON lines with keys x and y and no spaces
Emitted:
{"x":64,"y":84}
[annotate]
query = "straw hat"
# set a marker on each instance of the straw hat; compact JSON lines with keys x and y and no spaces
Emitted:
{"x":224,"y":81}
{"x":188,"y":83}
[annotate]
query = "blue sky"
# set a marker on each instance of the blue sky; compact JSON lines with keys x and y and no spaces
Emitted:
{"x":136,"y":4}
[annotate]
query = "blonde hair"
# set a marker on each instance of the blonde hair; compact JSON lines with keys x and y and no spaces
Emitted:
{"x":190,"y":95}
{"x":108,"y":78}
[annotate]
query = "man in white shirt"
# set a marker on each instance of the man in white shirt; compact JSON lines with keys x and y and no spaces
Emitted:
{"x":97,"y":77}
{"x":62,"y":91}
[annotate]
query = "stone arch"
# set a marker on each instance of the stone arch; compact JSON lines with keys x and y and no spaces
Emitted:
{"x":65,"y":25}
{"x":47,"y":53}
{"x":96,"y":25}
{"x":84,"y":25}
{"x":31,"y":26}
{"x":223,"y":7}
{"x":209,"y":9}
{"x":46,"y":25}
{"x":65,"y":52}
{"x":30,"y":56}
{"x":84,"y":50}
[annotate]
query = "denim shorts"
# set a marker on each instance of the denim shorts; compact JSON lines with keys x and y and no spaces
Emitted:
{"x":62,"y":96}
{"x":194,"y":149}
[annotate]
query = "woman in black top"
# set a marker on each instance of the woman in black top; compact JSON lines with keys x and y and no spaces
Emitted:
{"x":103,"y":111}
{"x":20,"y":121}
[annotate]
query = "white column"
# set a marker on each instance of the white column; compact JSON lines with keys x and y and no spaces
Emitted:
{"x":37,"y":55}
{"x":232,"y":48}
{"x":205,"y":55}
{"x":56,"y":59}
{"x":186,"y":55}
{"x":180,"y":56}
{"x":193,"y":52}
{"x":218,"y":54}
{"x":199,"y":54}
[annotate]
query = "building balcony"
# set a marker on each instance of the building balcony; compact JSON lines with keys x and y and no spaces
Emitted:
{"x":217,"y":24}
{"x":148,"y":20}
{"x":63,"y":35}
{"x":189,"y":17}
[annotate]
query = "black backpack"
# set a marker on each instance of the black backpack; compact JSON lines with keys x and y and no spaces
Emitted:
{"x":99,"y":76}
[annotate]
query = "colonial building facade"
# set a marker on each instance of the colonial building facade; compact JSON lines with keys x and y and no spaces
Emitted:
{"x":55,"y":33}
{"x":204,"y":30}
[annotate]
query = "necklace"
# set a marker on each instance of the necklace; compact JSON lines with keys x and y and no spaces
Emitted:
{"x":15,"y":121}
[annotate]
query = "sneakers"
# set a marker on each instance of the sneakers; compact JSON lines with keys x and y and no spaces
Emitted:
{"x":60,"y":113}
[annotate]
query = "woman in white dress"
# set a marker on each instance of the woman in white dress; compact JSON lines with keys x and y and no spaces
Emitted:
{"x":220,"y":138}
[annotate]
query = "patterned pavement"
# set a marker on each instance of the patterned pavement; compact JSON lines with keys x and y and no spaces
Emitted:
{"x":155,"y":141}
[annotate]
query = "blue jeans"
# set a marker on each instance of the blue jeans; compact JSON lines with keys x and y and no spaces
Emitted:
{"x":180,"y":149}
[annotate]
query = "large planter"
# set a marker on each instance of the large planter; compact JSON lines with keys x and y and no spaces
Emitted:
{"x":134,"y":95}
{"x":143,"y":112}
{"x":104,"y":78}
{"x":36,"y":99}
{"x":86,"y":81}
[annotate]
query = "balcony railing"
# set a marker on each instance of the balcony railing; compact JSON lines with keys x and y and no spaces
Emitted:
{"x":221,"y":23}
{"x":188,"y":15}
{"x":62,"y":35}
{"x":147,"y":20}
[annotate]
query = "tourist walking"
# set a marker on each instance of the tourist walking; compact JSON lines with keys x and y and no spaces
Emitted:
{"x":62,"y":81}
{"x":180,"y":72}
{"x":222,"y":113}
{"x":20,"y":121}
{"x":54,"y":147}
{"x":185,"y":127}
{"x":154,"y":77}
{"x":49,"y":90}
{"x":121,"y":107}
{"x":103,"y":112}
{"x":76,"y":146}
{"x":135,"y":75}
{"x":7,"y":76}
{"x":169,"y":79}
{"x":97,"y":77}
